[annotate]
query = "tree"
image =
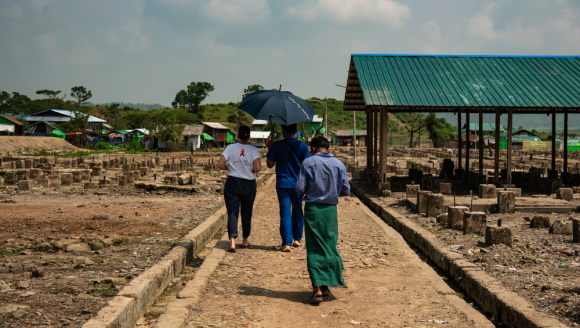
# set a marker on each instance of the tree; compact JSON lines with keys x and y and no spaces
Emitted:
{"x":252,"y":88}
{"x":191,"y":98}
{"x":170,"y":132}
{"x":413,"y":123}
{"x":13,"y":104}
{"x":48,"y":93}
{"x":81,"y":94}
{"x":439,"y":130}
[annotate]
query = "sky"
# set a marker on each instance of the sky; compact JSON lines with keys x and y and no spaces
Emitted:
{"x":147,"y":50}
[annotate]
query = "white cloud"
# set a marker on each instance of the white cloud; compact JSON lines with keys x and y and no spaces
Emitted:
{"x":236,"y":11}
{"x":483,"y":26}
{"x":433,"y":34}
{"x":382,"y":12}
{"x":568,"y":30}
{"x":138,"y":42}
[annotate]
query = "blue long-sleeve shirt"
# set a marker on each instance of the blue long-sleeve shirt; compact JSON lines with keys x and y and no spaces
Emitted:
{"x":322,"y":179}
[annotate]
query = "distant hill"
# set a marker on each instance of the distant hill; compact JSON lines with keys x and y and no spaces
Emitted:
{"x":137,"y":105}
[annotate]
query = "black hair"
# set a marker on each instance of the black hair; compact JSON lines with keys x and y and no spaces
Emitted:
{"x":244,"y":132}
{"x":319,"y":142}
{"x":292,"y":128}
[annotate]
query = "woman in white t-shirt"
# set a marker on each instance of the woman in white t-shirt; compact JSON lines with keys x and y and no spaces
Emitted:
{"x":243,"y":162}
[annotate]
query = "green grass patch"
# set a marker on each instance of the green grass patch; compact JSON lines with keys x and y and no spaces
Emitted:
{"x":107,"y":292}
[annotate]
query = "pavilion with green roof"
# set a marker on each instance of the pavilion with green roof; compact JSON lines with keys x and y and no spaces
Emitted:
{"x":461,"y":85}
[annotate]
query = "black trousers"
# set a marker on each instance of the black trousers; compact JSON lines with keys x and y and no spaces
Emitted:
{"x":239,"y":192}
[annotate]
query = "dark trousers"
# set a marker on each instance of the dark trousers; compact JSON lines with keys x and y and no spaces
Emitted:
{"x":238,"y":191}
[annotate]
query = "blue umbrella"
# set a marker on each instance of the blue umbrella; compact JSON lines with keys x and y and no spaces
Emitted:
{"x":277,"y":106}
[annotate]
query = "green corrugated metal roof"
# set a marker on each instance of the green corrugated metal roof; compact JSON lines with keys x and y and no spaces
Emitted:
{"x":486,"y":127}
{"x":469,"y":81}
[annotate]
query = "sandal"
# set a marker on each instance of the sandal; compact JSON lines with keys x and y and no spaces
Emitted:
{"x":231,"y":250}
{"x":248,"y":245}
{"x":326,"y":291}
{"x":315,"y":300}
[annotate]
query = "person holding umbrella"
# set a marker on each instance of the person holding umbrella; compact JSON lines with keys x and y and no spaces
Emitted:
{"x":321,"y":181}
{"x":287,"y":155}
{"x":242,"y":162}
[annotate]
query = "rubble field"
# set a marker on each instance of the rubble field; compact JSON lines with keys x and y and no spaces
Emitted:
{"x":541,"y":264}
{"x":65,"y":248}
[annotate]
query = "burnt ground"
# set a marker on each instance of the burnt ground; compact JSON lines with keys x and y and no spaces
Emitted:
{"x":59,"y":263}
{"x":542,"y":267}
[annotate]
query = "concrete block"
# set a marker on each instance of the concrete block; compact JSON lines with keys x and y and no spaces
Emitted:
{"x":136,"y":175}
{"x":144,"y":170}
{"x":129,"y":178}
{"x":517,"y":191}
{"x":166,"y":167}
{"x":34,"y":174}
{"x":487,"y":191}
{"x":565,"y":194}
{"x":434,"y":205}
{"x":474,"y":222}
{"x":97,"y":170}
{"x":443,"y":219}
{"x":171,"y":179}
{"x":24,"y":185}
{"x":85,"y":175}
{"x":66,"y":179}
{"x":561,"y":228}
{"x":506,"y":202}
{"x":184,"y":179}
{"x":76,"y":176}
{"x":412,"y":190}
{"x":445,"y":188}
{"x":90,"y":185}
{"x":126,"y":168}
{"x":422,"y":201}
{"x":384,"y":193}
{"x":498,"y":235}
{"x":576,"y":230}
{"x":540,"y":221}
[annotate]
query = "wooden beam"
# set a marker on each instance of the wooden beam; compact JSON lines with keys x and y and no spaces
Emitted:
{"x":459,"y":138}
{"x":496,"y":146}
{"x":553,"y":139}
{"x":467,"y":140}
{"x":480,"y":141}
{"x":384,"y":136}
{"x":371,"y":139}
{"x":509,"y":146}
{"x":376,"y":142}
{"x":566,"y":142}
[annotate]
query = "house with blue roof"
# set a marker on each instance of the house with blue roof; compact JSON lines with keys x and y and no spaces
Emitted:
{"x":59,"y":116}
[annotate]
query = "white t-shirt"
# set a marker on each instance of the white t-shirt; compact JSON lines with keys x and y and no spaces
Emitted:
{"x":240,"y":160}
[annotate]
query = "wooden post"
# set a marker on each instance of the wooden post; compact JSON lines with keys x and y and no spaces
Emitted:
{"x":565,"y":141}
{"x":370,"y":140}
{"x":459,"y":138}
{"x":467,"y":140}
{"x":509,"y":146}
{"x":480,"y":141}
{"x":376,"y":142}
{"x":496,"y":146}
{"x":383,"y":150}
{"x":354,"y":136}
{"x":553,"y":139}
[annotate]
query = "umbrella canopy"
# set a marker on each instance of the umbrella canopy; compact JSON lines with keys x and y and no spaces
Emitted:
{"x":277,"y":106}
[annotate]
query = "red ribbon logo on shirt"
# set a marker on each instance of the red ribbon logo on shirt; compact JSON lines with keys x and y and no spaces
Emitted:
{"x":242,"y":153}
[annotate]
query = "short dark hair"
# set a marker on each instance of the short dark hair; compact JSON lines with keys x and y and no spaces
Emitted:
{"x":319,"y":142}
{"x":292,"y":128}
{"x":244,"y":132}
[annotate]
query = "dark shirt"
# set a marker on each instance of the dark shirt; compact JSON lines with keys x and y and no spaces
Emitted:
{"x":322,"y":179}
{"x":287,"y":164}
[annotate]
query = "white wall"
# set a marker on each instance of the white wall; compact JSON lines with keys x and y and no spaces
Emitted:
{"x":193,"y":140}
{"x":7,"y":128}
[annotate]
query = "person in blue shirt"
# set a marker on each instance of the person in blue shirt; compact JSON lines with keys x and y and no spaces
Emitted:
{"x":287,"y":155}
{"x":321,"y":181}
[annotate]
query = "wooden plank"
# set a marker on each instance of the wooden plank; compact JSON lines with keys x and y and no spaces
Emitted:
{"x":467,"y":140}
{"x":553,"y":139}
{"x":496,"y":146}
{"x":384,"y":136}
{"x":566,"y":142}
{"x":480,"y":141}
{"x":509,"y":146}
{"x":459,"y":138}
{"x":376,"y":141}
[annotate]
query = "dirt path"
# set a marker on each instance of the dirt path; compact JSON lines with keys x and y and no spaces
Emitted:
{"x":387,"y":283}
